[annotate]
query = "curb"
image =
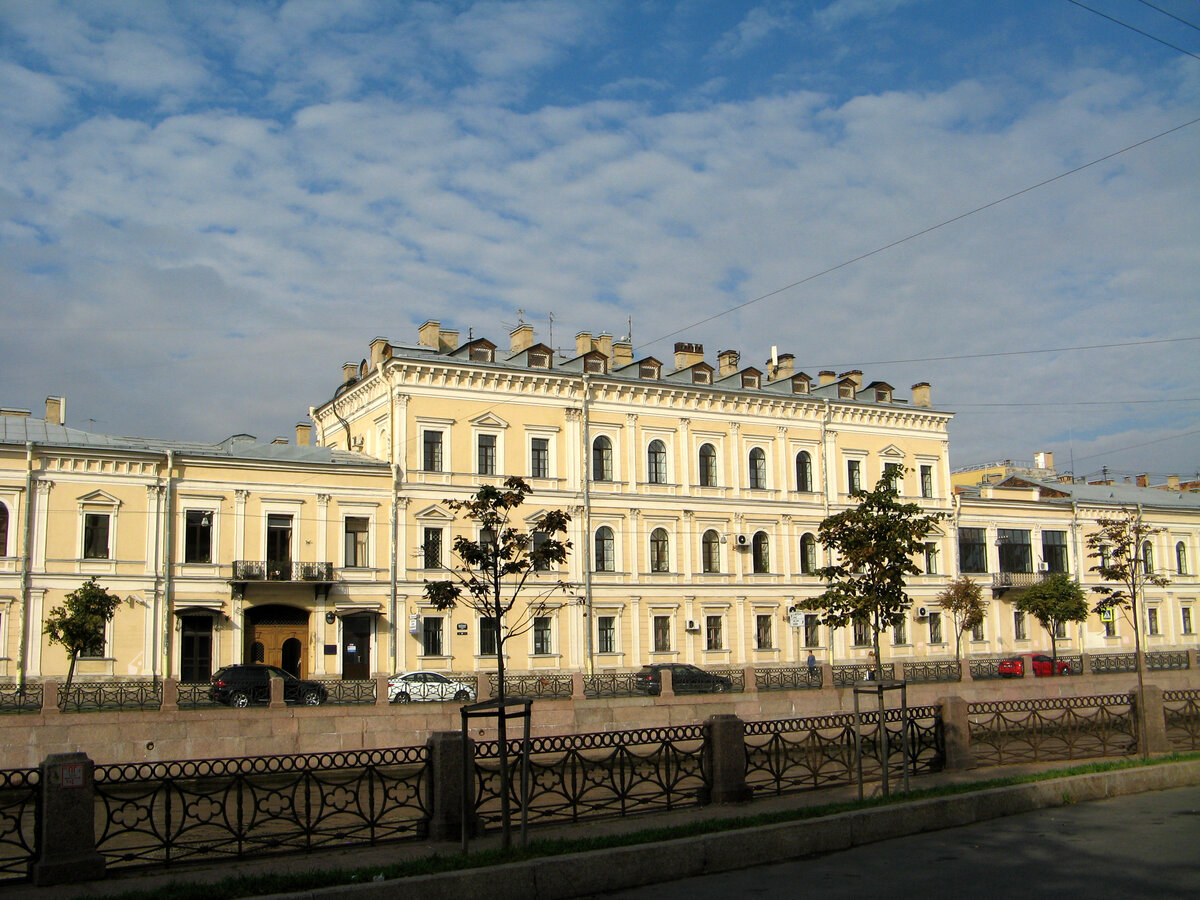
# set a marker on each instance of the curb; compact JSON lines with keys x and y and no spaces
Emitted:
{"x":602,"y":871}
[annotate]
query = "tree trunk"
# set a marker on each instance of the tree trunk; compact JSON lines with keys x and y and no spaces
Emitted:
{"x":502,"y":730}
{"x":62,"y":699}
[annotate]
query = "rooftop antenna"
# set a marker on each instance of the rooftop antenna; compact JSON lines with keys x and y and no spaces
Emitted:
{"x":520,"y":316}
{"x":550,"y":316}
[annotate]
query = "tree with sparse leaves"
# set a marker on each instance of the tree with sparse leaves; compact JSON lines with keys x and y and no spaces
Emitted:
{"x":79,"y":623}
{"x":491,"y":576}
{"x":1054,"y":601}
{"x":873,"y":545}
{"x":963,"y":601}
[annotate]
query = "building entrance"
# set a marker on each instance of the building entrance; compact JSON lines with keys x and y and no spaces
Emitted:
{"x":278,"y":636}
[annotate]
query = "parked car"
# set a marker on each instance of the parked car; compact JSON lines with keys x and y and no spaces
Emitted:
{"x":406,"y":687}
{"x":685,"y":679}
{"x":1014,"y":666}
{"x":248,"y":683}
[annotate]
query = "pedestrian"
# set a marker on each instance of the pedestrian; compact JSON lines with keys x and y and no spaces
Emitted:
{"x":871,"y":666}
{"x":812,"y":663}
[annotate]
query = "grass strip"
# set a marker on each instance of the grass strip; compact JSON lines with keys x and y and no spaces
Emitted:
{"x":275,"y":883}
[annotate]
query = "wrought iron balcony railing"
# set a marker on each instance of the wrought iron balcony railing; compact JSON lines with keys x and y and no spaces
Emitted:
{"x":1015,"y":579}
{"x":257,"y":570}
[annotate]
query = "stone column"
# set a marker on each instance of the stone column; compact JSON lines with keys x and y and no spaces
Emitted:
{"x":276,"y":689}
{"x":1155,"y":739}
{"x":751,"y":679}
{"x":667,"y":686}
{"x":66,"y":826}
{"x":577,"y":686}
{"x":725,"y":758}
{"x":956,"y":731}
{"x":170,"y":695}
{"x":449,"y":751}
{"x":50,"y":695}
{"x":381,"y":690}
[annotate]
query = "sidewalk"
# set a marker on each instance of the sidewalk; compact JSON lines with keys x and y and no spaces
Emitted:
{"x":381,"y":855}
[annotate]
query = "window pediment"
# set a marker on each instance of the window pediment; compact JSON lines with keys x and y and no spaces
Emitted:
{"x":99,"y":498}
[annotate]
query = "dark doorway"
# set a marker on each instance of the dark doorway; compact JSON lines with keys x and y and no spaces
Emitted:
{"x":356,"y":647}
{"x":195,"y":648}
{"x":289,"y":657}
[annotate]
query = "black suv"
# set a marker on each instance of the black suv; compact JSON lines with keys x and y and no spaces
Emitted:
{"x":685,"y":679}
{"x":249,"y":683}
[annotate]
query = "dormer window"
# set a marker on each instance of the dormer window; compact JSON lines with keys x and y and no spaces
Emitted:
{"x":883,"y":395}
{"x":594,"y":365}
{"x":539,"y":359}
{"x":482,"y":353}
{"x":701,"y":376}
{"x":750,"y":380}
{"x":648,"y":371}
{"x":799,"y":386}
{"x":845,"y":392}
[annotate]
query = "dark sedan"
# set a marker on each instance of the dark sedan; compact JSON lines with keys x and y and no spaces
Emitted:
{"x":248,"y":683}
{"x":685,"y":679}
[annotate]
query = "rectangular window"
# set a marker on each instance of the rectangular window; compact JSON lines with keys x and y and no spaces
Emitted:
{"x":1110,"y":627}
{"x":356,"y":542}
{"x":195,"y":649}
{"x":606,"y":634}
{"x":541,"y":636}
{"x":1016,"y":553}
{"x":95,"y":535}
{"x":812,"y":631}
{"x":1152,"y":621}
{"x":1054,"y":550}
{"x":853,"y":476}
{"x":662,"y":634}
{"x":279,"y":547}
{"x":712,"y":633}
{"x":1060,"y":630}
{"x":935,"y":628}
{"x":432,"y":636}
{"x":1186,"y":612}
{"x":539,"y":458}
{"x":95,"y":649}
{"x":487,"y":541}
{"x":972,"y":550}
{"x":762,"y":632}
{"x":862,"y":632}
{"x":432,"y":451}
{"x":1020,"y":632}
{"x":197,"y":536}
{"x":900,"y":633}
{"x":431,"y":548}
{"x":977,"y":632}
{"x":891,"y":474}
{"x":539,"y":540}
{"x":487,"y":454}
{"x":926,"y":481}
{"x":489,"y":636}
{"x":931,"y":559}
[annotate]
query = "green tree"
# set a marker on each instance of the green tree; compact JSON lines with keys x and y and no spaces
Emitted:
{"x":79,"y":623}
{"x":873,"y":544}
{"x":963,"y":601}
{"x":1054,"y":601}
{"x":490,"y":575}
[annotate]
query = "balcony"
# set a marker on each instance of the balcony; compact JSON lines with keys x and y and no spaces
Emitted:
{"x":255,"y":570}
{"x":1002,"y":580}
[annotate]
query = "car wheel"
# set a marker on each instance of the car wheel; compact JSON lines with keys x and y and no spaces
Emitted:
{"x":402,"y":697}
{"x":239,"y":699}
{"x":720,"y":687}
{"x":462,"y":695}
{"x":311,"y":698}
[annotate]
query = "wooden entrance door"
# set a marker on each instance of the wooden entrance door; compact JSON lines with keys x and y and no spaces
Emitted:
{"x":278,"y":636}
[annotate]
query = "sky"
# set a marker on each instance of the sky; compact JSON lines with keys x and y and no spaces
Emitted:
{"x":206,"y":208}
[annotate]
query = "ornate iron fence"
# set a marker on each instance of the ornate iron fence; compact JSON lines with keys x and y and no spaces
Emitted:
{"x":19,"y":793}
{"x":349,"y":692}
{"x":790,"y":678}
{"x":94,"y":696}
{"x":1181,"y":709}
{"x":1006,"y":732}
{"x":845,"y":676}
{"x":195,"y":695}
{"x":163,"y":813}
{"x":611,"y":684}
{"x":14,"y":699}
{"x":1107,"y":663}
{"x":932,"y":671}
{"x":612,"y":773}
{"x":984,"y":668}
{"x":1167,"y":659}
{"x":1075,"y":661}
{"x":807,"y":754}
{"x":737,"y":678}
{"x":535,"y":685}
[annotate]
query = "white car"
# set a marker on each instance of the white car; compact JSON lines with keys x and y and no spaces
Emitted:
{"x":409,"y":686}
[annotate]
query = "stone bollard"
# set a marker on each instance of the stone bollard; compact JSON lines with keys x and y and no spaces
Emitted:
{"x":827,"y":676}
{"x":1155,"y":739}
{"x":66,"y":822}
{"x":483,"y":686}
{"x":725,"y":760}
{"x":750,"y":680}
{"x":964,"y":671}
{"x":1193,"y":659}
{"x":448,"y":752}
{"x":577,"y":686}
{"x":170,"y":695}
{"x":956,"y":732}
{"x":276,"y":693}
{"x":667,"y":685}
{"x":1086,"y":663}
{"x":381,"y":690}
{"x":50,"y":698}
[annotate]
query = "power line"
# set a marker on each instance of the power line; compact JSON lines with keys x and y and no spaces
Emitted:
{"x":1169,"y":15}
{"x":1136,"y":446}
{"x":1137,"y":30}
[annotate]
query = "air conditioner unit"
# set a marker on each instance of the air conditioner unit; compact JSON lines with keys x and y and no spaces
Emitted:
{"x":922,"y":612}
{"x":742,"y":540}
{"x":692,"y":625}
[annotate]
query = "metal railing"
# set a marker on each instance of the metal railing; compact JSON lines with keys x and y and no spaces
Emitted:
{"x":19,"y":793}
{"x":1181,"y":709}
{"x":195,"y":695}
{"x":14,"y":699}
{"x":1108,"y":663}
{"x":1020,"y":731}
{"x":611,"y":684}
{"x":789,"y":678}
{"x":1161,"y":660}
{"x":1015,"y":579}
{"x":737,"y":678}
{"x":534,"y":685}
{"x":847,"y":675}
{"x":163,"y":813}
{"x":984,"y":668}
{"x":933,"y":671}
{"x":95,"y":696}
{"x":348,"y":691}
{"x":265,"y":570}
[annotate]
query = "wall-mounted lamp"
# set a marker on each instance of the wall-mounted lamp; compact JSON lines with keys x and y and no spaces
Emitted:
{"x":330,"y":618}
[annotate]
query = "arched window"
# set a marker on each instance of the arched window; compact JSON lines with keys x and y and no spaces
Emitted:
{"x":758,"y":468}
{"x":710,"y":557}
{"x":808,"y":555}
{"x":660,"y":558}
{"x":602,"y":459}
{"x":656,"y":463}
{"x":708,"y":465}
{"x":1180,"y":556}
{"x":762,"y":556}
{"x":803,"y":471}
{"x":1147,"y":558}
{"x":605,"y":550}
{"x":4,"y":530}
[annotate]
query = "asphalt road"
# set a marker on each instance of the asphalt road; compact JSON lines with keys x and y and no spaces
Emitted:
{"x":1147,"y":845}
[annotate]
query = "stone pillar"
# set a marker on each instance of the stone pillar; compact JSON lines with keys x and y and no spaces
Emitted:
{"x":483,"y":686}
{"x":827,"y":676}
{"x":1027,"y":667}
{"x":956,"y":732}
{"x":667,"y":687}
{"x":964,"y":671}
{"x":1193,"y":659}
{"x":66,"y":825}
{"x":577,"y":686}
{"x":751,"y":680}
{"x":277,"y":693}
{"x":170,"y":695}
{"x":725,"y":760}
{"x":448,"y":752}
{"x":381,"y":690}
{"x":1086,"y":659}
{"x":1155,"y":739}
{"x":50,"y":697}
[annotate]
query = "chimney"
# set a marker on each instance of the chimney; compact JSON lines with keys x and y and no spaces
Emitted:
{"x":56,"y":410}
{"x":920,"y":394}
{"x":622,"y":353}
{"x":687,"y":354}
{"x":727,"y":362}
{"x":303,"y":434}
{"x":1143,"y":480}
{"x":13,"y":411}
{"x":784,"y":367}
{"x":447,"y":340}
{"x":1043,"y":460}
{"x":604,"y":344}
{"x":427,"y":334}
{"x":380,"y":350}
{"x":521,"y":338}
{"x":279,"y":440}
{"x":349,"y":372}
{"x":1172,"y":482}
{"x":826,"y":377}
{"x":854,"y":375}
{"x":583,"y":343}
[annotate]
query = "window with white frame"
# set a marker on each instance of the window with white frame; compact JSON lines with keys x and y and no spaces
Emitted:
{"x":602,"y":458}
{"x":708,"y":465}
{"x":656,"y":462}
{"x":660,"y":552}
{"x":1152,"y":621}
{"x":538,"y":541}
{"x":761,"y":552}
{"x":900,"y":633}
{"x":710,"y":552}
{"x":804,"y":473}
{"x":4,"y":529}
{"x":197,"y":535}
{"x":431,"y":548}
{"x":1147,"y":558}
{"x":97,"y":527}
{"x":97,"y":648}
{"x":935,"y":628}
{"x":357,"y":532}
{"x":606,"y":634}
{"x":808,"y":554}
{"x":662,"y":634}
{"x":1181,"y":567}
{"x":489,"y":636}
{"x":758,"y":468}
{"x":432,"y":637}
{"x":853,"y":475}
{"x":862,"y":631}
{"x":542,"y":643}
{"x":539,"y":457}
{"x":1186,"y":619}
{"x":926,"y":481}
{"x":977,"y":632}
{"x":431,"y":451}
{"x":812,"y":630}
{"x":1020,"y":630}
{"x":485,"y":462}
{"x":931,"y":555}
{"x":1054,"y":550}
{"x":763,"y":638}
{"x":605,"y":555}
{"x":713,"y":639}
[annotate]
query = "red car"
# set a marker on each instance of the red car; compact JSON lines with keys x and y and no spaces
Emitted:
{"x":1014,"y":667}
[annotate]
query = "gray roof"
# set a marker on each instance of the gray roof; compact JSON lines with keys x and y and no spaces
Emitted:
{"x":20,"y":430}
{"x":1105,"y":494}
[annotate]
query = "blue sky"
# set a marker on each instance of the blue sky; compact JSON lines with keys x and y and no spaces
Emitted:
{"x":205,"y":208}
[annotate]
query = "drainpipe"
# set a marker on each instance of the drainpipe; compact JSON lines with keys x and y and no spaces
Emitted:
{"x":587,"y":525}
{"x":394,"y":569}
{"x":168,"y":564}
{"x":1079,"y":571}
{"x":825,"y":494}
{"x":26,"y":563}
